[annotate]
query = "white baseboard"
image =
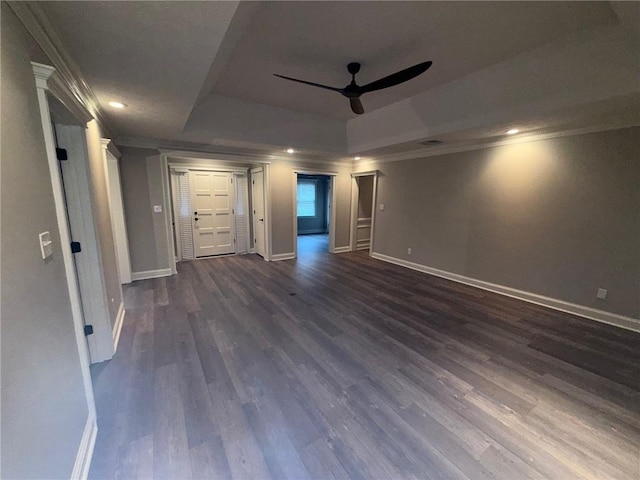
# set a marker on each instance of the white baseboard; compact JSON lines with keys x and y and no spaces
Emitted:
{"x":117,"y":327}
{"x":253,"y":250}
{"x":342,"y":249}
{"x":147,"y":274}
{"x":283,"y":256}
{"x":554,"y":303}
{"x":85,"y":449}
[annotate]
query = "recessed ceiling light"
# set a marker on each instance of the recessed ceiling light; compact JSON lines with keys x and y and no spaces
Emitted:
{"x":290,"y":150}
{"x":513,"y":131}
{"x":356,"y":158}
{"x":117,"y":104}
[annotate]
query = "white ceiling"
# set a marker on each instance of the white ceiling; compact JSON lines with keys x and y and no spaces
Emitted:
{"x":316,"y":40}
{"x":153,"y":56}
{"x":201,"y":73}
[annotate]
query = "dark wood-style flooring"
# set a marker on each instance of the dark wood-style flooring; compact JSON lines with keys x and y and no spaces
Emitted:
{"x":341,"y":366}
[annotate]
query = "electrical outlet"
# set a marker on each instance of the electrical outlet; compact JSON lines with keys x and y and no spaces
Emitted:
{"x":157,"y":208}
{"x":382,"y":206}
{"x":409,"y":251}
{"x":602,"y":293}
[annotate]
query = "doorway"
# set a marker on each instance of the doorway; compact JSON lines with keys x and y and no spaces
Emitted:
{"x":363,"y":209}
{"x":313,"y":209}
{"x":70,"y":142}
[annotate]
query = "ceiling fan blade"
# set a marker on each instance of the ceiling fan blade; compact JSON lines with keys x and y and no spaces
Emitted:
{"x":396,"y":78}
{"x":356,"y":106}
{"x":326,"y":87}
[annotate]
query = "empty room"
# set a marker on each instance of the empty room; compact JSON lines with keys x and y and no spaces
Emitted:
{"x":317,"y":240}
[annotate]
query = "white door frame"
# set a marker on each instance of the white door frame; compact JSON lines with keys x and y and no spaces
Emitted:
{"x":267,"y":209}
{"x":355,"y":191}
{"x":332,"y":211}
{"x":167,"y":197}
{"x":79,"y":207}
{"x":176,"y":247}
{"x":110,"y":155}
{"x":45,"y":81}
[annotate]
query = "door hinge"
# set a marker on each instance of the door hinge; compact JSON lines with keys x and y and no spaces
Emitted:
{"x":76,"y":247}
{"x":61,"y":154}
{"x":234,"y":240}
{"x":88,"y":330}
{"x":231,"y":180}
{"x":253,"y":182}
{"x":233,"y":211}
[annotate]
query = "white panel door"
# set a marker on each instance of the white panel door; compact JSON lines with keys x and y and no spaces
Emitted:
{"x":257,"y":199}
{"x":213,"y":216}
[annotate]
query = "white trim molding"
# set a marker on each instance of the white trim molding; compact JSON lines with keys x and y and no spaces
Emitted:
{"x":117,"y":326}
{"x":68,"y":84}
{"x":523,"y":138}
{"x":553,"y":303}
{"x":344,"y":249}
{"x":85,"y":449}
{"x":42,"y":74}
{"x":353,"y":220}
{"x":147,"y":274}
{"x":283,"y":256}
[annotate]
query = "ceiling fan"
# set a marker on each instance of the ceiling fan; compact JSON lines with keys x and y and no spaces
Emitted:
{"x":353,"y":91}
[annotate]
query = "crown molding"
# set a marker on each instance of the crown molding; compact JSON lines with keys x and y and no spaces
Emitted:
{"x":109,"y":146}
{"x":445,"y":150}
{"x":219,"y":152}
{"x":68,"y":82}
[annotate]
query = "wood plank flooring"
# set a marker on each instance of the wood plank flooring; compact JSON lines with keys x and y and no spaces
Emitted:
{"x":341,"y":366}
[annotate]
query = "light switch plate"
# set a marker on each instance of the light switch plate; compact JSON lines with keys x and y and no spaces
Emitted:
{"x":46,"y":245}
{"x":602,"y":293}
{"x":157,"y":208}
{"x":382,"y":206}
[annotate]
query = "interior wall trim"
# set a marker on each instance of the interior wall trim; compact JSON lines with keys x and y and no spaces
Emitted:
{"x":41,"y":75}
{"x":147,"y":274}
{"x":85,"y":449}
{"x":344,"y":249}
{"x":283,"y":256}
{"x":179,"y":149}
{"x":117,"y":326}
{"x":621,"y":321}
{"x":444,"y":150}
{"x":69,"y":76}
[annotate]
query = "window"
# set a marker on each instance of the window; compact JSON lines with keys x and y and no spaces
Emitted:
{"x":306,"y":198}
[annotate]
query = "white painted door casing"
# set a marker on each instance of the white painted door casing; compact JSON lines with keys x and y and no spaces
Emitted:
{"x":257,"y":200}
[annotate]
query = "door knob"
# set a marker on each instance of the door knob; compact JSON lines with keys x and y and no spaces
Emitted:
{"x":261,"y":219}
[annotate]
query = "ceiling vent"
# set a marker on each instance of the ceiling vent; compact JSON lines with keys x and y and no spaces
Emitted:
{"x":431,"y":143}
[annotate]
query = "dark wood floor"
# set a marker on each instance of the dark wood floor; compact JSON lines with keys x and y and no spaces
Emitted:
{"x":340,"y":366}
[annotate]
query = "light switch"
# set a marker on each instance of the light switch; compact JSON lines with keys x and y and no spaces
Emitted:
{"x":382,"y":206}
{"x":46,"y":245}
{"x":157,"y":208}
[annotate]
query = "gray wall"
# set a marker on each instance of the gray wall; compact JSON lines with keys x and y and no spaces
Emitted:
{"x":142,"y":188}
{"x":558,"y":217}
{"x":365,"y":196}
{"x":147,"y":250}
{"x":44,"y":408}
